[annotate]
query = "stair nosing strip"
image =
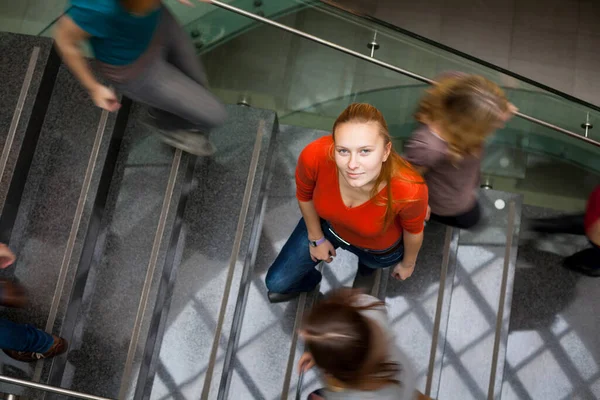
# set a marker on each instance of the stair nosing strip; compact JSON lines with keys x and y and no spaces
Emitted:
{"x":294,"y":345}
{"x":438,"y":310}
{"x":143,"y":303}
{"x":247,"y":272}
{"x":83,"y":195}
{"x":234,"y":256}
{"x":292,"y":355}
{"x":502,"y":300}
{"x":16,"y":119}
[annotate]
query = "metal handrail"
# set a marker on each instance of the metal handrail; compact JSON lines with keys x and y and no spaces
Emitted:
{"x":48,"y":388}
{"x":383,"y":64}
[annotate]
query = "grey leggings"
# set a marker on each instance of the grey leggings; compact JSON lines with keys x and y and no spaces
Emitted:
{"x":174,"y":84}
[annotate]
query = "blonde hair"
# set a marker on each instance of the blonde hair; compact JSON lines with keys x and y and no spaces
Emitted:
{"x":393,"y":167}
{"x":466,"y":108}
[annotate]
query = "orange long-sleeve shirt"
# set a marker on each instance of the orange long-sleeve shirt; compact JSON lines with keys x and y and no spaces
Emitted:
{"x":362,"y":226}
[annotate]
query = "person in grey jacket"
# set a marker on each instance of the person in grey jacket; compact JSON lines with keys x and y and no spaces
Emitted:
{"x":348,"y":337}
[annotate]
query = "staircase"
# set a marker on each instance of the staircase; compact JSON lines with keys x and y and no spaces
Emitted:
{"x":151,"y":262}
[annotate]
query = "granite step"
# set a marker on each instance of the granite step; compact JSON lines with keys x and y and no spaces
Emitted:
{"x":474,"y":342}
{"x":28,"y":67}
{"x":54,"y":208}
{"x":217,"y":244}
{"x":107,"y":313}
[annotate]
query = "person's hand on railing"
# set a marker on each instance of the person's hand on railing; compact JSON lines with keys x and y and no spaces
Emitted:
{"x":306,"y":362}
{"x":512,"y":110}
{"x":7,"y":257}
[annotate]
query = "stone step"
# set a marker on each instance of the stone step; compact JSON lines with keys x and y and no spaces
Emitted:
{"x":474,"y":343}
{"x":218,"y":243}
{"x":54,"y":208}
{"x":109,"y":311}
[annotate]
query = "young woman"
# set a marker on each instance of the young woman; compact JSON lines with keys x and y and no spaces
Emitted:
{"x":141,"y":50}
{"x":456,"y":115}
{"x":348,"y":337}
{"x":357,"y":193}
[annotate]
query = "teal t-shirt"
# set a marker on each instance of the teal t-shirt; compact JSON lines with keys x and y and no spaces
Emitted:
{"x":117,"y":37}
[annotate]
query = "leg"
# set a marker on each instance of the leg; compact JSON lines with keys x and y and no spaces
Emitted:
{"x":163,"y":86}
{"x":369,"y":262}
{"x":365,"y":278}
{"x":466,"y":220}
{"x":573,"y":224}
{"x":293,"y":270}
{"x":20,"y":337}
{"x":12,"y":294}
{"x":586,"y":262}
{"x":180,"y":50}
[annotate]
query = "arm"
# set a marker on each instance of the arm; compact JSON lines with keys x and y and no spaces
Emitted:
{"x":412,"y":218}
{"x":68,"y":37}
{"x":306,"y":180}
{"x":325,"y":251}
{"x":312,"y":220}
{"x":412,"y":245}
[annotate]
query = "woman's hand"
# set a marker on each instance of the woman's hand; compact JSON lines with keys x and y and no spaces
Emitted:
{"x":323,"y":252}
{"x":306,"y":362}
{"x":7,"y":257}
{"x":512,"y":110}
{"x":403,"y":270}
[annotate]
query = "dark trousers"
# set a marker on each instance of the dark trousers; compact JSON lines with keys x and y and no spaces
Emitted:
{"x":586,"y":261}
{"x":466,"y":220}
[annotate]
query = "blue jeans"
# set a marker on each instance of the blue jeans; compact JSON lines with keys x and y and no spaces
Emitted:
{"x":22,"y":337}
{"x":294,"y":271}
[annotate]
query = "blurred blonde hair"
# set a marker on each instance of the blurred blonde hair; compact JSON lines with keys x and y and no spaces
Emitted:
{"x":466,"y":108}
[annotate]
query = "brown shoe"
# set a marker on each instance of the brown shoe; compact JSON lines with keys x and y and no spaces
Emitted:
{"x":58,"y":347}
{"x":12,"y":294}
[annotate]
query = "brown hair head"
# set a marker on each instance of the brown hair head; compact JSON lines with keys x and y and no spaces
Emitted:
{"x":343,"y":343}
{"x":466,"y":108}
{"x":393,"y":166}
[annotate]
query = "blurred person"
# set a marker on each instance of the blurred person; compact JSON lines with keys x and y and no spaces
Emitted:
{"x":456,"y":116}
{"x":347,"y":336}
{"x":355,"y":192}
{"x":586,"y":261}
{"x":20,"y":341}
{"x":141,"y":50}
